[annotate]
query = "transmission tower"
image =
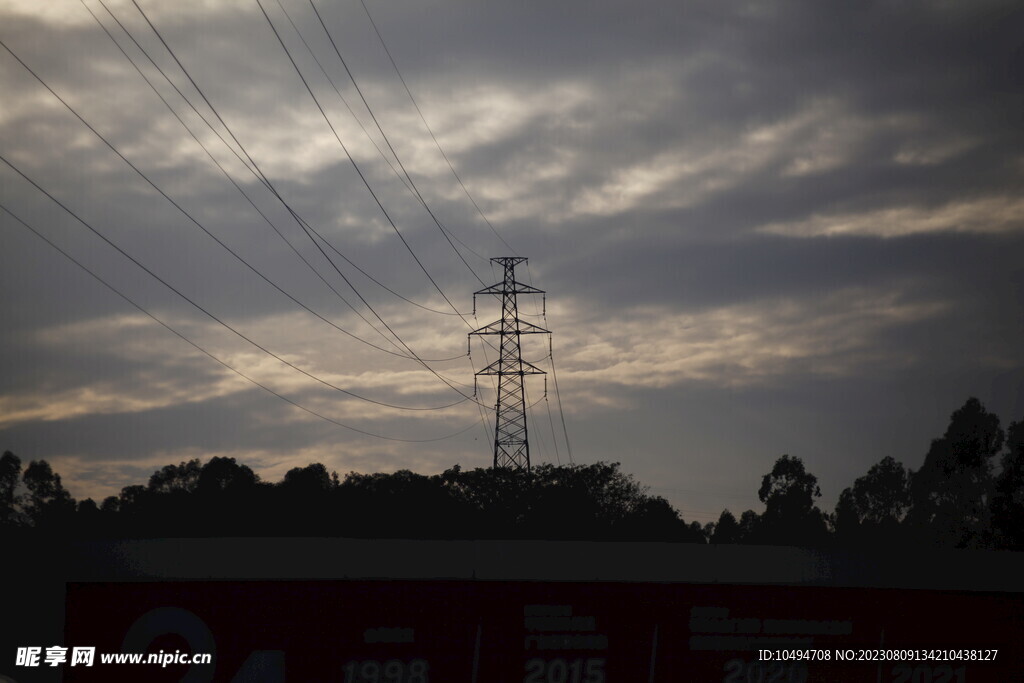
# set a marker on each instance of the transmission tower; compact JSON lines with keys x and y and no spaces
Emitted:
{"x":511,"y":447}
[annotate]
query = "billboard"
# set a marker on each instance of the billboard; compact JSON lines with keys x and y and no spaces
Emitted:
{"x":389,"y":611}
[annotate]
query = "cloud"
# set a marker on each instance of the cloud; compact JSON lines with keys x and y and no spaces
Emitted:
{"x":833,"y":335}
{"x":171,"y":376}
{"x":996,"y":214}
{"x":664,"y":166}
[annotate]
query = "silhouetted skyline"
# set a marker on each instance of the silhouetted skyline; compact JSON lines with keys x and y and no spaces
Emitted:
{"x":968,"y":494}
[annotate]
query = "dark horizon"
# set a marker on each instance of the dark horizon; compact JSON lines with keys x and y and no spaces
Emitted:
{"x":968,"y":494}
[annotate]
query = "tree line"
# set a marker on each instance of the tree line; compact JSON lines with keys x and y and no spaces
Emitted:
{"x":962,"y":496}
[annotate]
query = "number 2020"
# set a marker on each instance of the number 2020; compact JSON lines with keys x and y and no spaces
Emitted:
{"x":561,"y":670}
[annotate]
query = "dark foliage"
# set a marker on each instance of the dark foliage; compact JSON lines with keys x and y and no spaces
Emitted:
{"x":790,"y":516}
{"x":873,"y":510}
{"x":10,"y":473}
{"x":226,"y":498}
{"x":1008,"y":497}
{"x":952,"y":490}
{"x":958,"y":498}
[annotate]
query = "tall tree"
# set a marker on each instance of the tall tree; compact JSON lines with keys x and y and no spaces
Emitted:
{"x":180,"y":478}
{"x":726,"y":530}
{"x":950,"y":492}
{"x":790,"y":515}
{"x":876,"y":504}
{"x":224,"y":474}
{"x":49,"y":505}
{"x":10,"y":473}
{"x":1008,"y":498}
{"x":750,"y":527}
{"x":312,"y":478}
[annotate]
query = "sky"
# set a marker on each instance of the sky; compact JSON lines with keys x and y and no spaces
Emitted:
{"x":764,"y":228}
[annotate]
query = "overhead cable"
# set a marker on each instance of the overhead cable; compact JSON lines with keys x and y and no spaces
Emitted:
{"x":429,"y":130}
{"x":352,"y":160}
{"x":218,"y":360}
{"x":358,"y":170}
{"x":361,"y":176}
{"x":201,"y":308}
{"x":254,"y":169}
{"x":419,"y":196}
{"x":246,"y":195}
{"x":174,"y":203}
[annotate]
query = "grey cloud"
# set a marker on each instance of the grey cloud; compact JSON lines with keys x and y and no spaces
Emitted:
{"x":632,"y":152}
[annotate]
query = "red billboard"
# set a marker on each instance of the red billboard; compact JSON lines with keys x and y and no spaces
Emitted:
{"x":473,"y":631}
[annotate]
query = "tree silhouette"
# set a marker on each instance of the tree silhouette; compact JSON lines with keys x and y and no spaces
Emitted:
{"x":847,"y":518}
{"x":403,"y":504}
{"x":726,"y":529}
{"x":1008,"y":498}
{"x":953,"y":499}
{"x":790,"y":516}
{"x":223,"y":475}
{"x":497,"y":501}
{"x":49,"y":506}
{"x":950,"y":491}
{"x":181,"y":478}
{"x":654,"y":519}
{"x":303,"y":503}
{"x":750,"y":527}
{"x":311,"y":479}
{"x":872,"y":510}
{"x":10,"y":473}
{"x":88,"y":518}
{"x":594,"y":501}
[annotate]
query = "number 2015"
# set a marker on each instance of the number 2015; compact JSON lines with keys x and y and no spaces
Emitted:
{"x":561,"y":670}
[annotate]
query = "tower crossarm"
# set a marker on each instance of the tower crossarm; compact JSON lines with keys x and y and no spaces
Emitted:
{"x":509,"y":288}
{"x":505,"y":367}
{"x":504,"y":327}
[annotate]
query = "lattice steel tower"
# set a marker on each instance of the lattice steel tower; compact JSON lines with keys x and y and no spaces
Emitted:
{"x":511,"y":447}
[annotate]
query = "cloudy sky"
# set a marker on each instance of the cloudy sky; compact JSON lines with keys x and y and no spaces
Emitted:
{"x":763,"y":227}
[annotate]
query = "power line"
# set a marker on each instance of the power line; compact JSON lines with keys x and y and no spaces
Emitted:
{"x":554,"y":439}
{"x":406,"y":181}
{"x":209,"y":354}
{"x":171,"y":200}
{"x":423,"y":201}
{"x":554,"y":375}
{"x":537,"y":433}
{"x":376,"y":199}
{"x":248,"y":156}
{"x":258,"y":173}
{"x":203,"y":228}
{"x":429,"y":130}
{"x":224,"y":123}
{"x":201,"y":308}
{"x":240,"y":189}
{"x":561,"y":412}
{"x":547,"y":403}
{"x":352,"y":160}
{"x":369,"y":109}
{"x":341,"y":97}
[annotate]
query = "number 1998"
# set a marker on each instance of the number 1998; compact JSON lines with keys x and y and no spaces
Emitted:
{"x":391,"y":671}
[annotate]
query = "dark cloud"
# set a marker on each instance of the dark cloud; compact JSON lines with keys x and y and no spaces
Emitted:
{"x":764,"y":228}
